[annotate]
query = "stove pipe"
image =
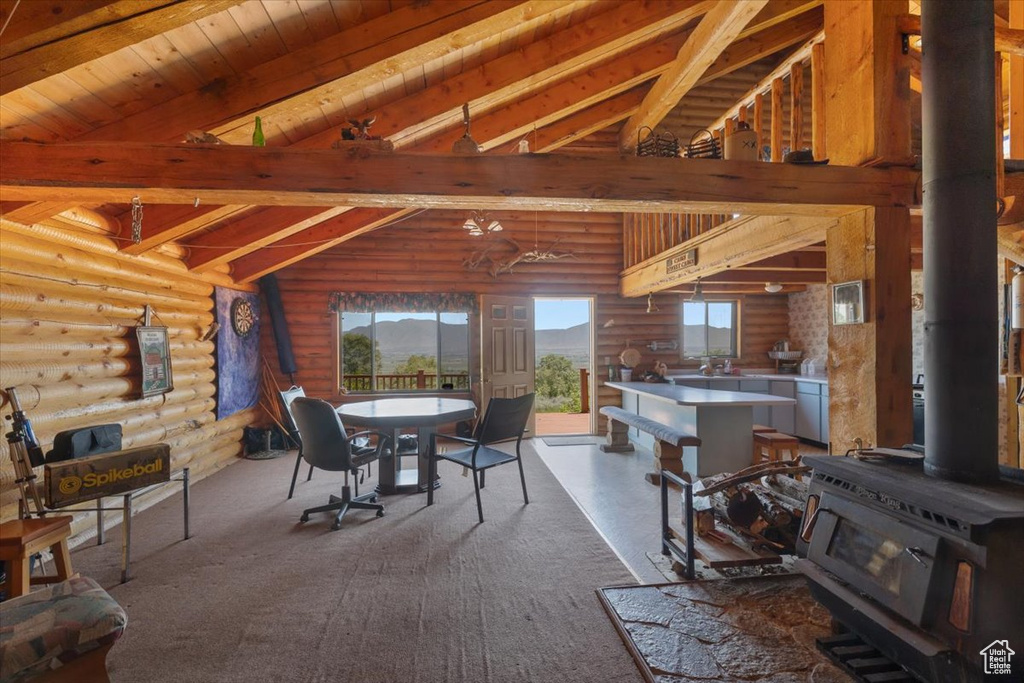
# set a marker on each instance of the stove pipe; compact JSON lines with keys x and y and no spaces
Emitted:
{"x":961,"y":329}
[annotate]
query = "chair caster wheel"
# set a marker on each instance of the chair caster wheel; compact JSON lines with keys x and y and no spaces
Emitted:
{"x":380,"y":513}
{"x":374,"y":499}
{"x":335,"y":527}
{"x":304,"y":518}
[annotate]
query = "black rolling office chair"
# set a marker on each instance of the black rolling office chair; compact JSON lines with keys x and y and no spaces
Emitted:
{"x":326,"y":445}
{"x":506,"y":419}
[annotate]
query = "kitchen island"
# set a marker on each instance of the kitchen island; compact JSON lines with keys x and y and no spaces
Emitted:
{"x":723,"y":420}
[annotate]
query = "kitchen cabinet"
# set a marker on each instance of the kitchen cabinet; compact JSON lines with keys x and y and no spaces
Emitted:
{"x":762,"y":414}
{"x":783,"y":417}
{"x":824,"y":415}
{"x":693,"y":383}
{"x":812,"y":411}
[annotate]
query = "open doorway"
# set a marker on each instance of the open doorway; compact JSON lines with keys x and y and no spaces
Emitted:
{"x":564,"y":351}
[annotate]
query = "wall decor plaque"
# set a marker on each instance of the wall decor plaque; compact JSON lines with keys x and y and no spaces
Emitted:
{"x":155,"y":350}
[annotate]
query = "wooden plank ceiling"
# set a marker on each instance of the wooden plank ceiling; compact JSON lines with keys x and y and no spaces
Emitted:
{"x":553,"y":73}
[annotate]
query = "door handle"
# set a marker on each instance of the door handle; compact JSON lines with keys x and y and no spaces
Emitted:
{"x":917,"y":553}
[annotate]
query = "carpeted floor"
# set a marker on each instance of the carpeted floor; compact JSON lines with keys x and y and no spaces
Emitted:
{"x":423,"y":594}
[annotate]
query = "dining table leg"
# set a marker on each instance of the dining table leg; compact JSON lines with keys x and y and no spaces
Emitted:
{"x":424,"y":434}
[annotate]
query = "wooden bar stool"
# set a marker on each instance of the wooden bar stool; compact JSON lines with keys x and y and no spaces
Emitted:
{"x":772,"y":444}
{"x":20,"y":539}
{"x":760,"y":429}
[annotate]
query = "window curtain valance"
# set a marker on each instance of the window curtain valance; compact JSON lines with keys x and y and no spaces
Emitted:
{"x":405,"y":302}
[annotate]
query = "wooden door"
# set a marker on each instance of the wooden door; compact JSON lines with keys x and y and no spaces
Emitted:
{"x":506,"y":338}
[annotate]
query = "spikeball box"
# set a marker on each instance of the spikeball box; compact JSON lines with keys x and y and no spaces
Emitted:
{"x":107,"y":474}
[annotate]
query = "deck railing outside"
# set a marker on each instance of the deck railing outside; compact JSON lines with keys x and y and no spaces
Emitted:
{"x":417,"y":381}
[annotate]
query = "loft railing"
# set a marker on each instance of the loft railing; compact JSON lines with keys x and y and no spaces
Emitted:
{"x":645,"y":235}
{"x":406,"y":382}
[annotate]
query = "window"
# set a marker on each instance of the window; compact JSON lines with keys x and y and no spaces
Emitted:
{"x":399,"y":351}
{"x":708,"y":328}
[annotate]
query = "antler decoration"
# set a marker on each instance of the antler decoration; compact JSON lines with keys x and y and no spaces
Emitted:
{"x":496,"y":268}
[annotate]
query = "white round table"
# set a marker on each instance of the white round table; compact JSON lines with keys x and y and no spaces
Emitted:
{"x":390,"y":415}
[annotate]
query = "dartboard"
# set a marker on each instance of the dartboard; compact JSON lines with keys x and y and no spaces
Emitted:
{"x":243,"y":317}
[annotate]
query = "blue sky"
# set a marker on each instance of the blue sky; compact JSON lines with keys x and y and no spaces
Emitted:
{"x":559,"y":314}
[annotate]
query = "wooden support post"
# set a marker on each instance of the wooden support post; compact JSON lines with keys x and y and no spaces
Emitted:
{"x":759,"y":123}
{"x":741,"y":115}
{"x":777,"y":120}
{"x":1015,"y":434}
{"x":617,"y":439}
{"x":818,"y":101}
{"x":867,"y":83}
{"x":584,"y":390}
{"x":668,"y":457}
{"x":796,"y":109}
{"x":869,"y":363}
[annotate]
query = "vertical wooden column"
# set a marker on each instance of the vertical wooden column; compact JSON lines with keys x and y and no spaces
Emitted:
{"x":796,"y":109}
{"x":869,"y":364}
{"x":1016,"y":126}
{"x":759,"y":122}
{"x":777,"y":119}
{"x":867,"y":84}
{"x":818,"y":101}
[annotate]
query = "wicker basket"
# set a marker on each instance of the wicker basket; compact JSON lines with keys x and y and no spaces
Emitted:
{"x":785,"y":355}
{"x":656,"y":145}
{"x":703,"y":145}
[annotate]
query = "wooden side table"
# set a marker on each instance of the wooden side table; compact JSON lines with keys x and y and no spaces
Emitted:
{"x":20,"y":539}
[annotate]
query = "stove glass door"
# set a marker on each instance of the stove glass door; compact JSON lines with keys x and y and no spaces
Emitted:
{"x":877,"y":553}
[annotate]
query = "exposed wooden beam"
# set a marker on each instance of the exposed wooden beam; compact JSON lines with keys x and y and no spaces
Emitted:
{"x":1008,"y":40}
{"x":745,"y":275}
{"x":164,"y":223}
{"x":347,"y":61}
{"x":31,"y":24}
{"x":227,"y":174}
{"x":314,"y":240}
{"x":721,"y":290}
{"x":719,"y":27}
{"x":515,"y":120}
{"x":794,"y":260}
{"x":798,"y":56}
{"x":777,"y":12}
{"x":53,"y":57}
{"x":255,"y":231}
{"x":737,"y":243}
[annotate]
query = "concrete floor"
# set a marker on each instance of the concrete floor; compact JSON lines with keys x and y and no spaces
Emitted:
{"x":611,"y":490}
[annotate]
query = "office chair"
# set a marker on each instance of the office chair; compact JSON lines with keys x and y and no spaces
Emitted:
{"x":287,"y":396}
{"x":326,"y":445}
{"x":361,"y":444}
{"x":506,"y":418}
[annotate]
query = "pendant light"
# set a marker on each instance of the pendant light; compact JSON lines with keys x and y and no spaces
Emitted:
{"x":698,"y":293}
{"x":773,"y":287}
{"x":651,"y":307}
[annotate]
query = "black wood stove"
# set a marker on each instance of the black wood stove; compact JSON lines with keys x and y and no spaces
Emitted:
{"x":920,"y":567}
{"x":922,"y":556}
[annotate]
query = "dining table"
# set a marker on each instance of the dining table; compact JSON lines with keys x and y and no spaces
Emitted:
{"x":393,"y":415}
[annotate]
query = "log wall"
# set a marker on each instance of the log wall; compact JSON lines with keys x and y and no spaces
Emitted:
{"x":429,"y":253}
{"x":68,"y":307}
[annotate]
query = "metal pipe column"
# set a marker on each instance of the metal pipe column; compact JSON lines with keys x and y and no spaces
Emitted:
{"x":961,"y":356}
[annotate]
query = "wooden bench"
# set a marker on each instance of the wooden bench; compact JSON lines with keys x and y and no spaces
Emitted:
{"x":668,"y":441}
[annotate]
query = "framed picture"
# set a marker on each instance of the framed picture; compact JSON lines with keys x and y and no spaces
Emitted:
{"x":848,"y":303}
{"x":155,"y":350}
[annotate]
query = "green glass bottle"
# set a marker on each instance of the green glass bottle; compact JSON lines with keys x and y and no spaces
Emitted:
{"x":257,"y":134}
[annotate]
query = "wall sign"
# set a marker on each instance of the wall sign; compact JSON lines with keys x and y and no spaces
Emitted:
{"x":155,"y":350}
{"x":680,"y":261}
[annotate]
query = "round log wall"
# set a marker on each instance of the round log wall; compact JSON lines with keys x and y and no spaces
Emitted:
{"x":69,"y":305}
{"x":432,"y":253}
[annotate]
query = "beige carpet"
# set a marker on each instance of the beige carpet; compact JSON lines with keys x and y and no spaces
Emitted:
{"x":423,"y":594}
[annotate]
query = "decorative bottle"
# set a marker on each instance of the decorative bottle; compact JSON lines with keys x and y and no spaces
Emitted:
{"x":257,"y":134}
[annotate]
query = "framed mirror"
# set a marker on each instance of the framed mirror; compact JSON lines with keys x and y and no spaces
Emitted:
{"x":848,"y":303}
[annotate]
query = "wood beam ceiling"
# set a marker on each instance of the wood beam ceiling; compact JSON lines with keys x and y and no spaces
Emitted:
{"x":737,"y":243}
{"x":593,"y":39}
{"x":226,"y":174}
{"x":59,"y":46}
{"x":719,"y":27}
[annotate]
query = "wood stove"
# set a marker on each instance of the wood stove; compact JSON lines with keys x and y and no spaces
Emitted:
{"x":919,"y":567}
{"x":921,"y":556}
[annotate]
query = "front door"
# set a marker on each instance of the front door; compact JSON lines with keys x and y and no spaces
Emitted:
{"x":506,"y":338}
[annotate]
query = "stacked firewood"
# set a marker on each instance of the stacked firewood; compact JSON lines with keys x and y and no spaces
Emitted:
{"x":762,"y":503}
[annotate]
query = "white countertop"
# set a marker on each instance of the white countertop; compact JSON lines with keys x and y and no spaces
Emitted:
{"x":688,"y":396}
{"x":817,"y":379}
